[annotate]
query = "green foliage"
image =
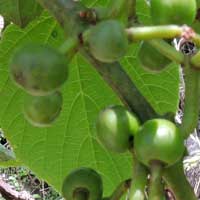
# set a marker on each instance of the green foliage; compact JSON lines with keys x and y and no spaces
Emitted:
{"x":173,"y":11}
{"x":71,"y":141}
{"x":83,"y":182}
{"x":38,"y":69}
{"x":159,"y":140}
{"x":20,"y":12}
{"x":42,"y":110}
{"x":116,"y":128}
{"x":108,"y":41}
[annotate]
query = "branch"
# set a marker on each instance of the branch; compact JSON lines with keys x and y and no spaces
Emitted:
{"x":10,"y":194}
{"x":121,"y":83}
{"x":67,"y":13}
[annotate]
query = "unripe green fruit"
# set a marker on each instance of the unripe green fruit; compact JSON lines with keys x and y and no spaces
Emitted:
{"x":151,"y":59}
{"x":42,"y":110}
{"x":116,"y":127}
{"x":85,"y":182}
{"x":159,"y":140}
{"x":108,"y":41}
{"x":38,"y":69}
{"x":173,"y":11}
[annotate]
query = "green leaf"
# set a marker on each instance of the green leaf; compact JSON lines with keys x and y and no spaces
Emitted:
{"x":160,"y":89}
{"x":143,"y":12}
{"x":19,"y":12}
{"x":71,"y":142}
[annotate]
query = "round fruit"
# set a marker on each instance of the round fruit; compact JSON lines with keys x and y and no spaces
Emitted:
{"x":159,"y":140}
{"x":42,"y":110}
{"x":38,"y":69}
{"x":108,"y":41}
{"x":151,"y":59}
{"x":173,"y":11}
{"x":83,"y":182}
{"x":116,"y":127}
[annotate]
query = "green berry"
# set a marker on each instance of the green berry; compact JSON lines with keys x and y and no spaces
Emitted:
{"x":159,"y":140}
{"x":38,"y":69}
{"x":108,"y":41}
{"x":42,"y":110}
{"x":83,"y":182}
{"x":116,"y":127}
{"x":151,"y":59}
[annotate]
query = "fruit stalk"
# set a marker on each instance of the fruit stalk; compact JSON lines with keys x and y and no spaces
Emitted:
{"x":154,"y":32}
{"x":192,"y":96}
{"x":175,"y":178}
{"x":167,"y":50}
{"x":195,"y":60}
{"x":80,"y":196}
{"x":196,"y":40}
{"x":156,"y":188}
{"x":139,"y":180}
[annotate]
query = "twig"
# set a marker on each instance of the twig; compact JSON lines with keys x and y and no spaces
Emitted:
{"x":9,"y":194}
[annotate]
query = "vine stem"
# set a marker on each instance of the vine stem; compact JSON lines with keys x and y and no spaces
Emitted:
{"x":156,"y":188}
{"x":139,"y":180}
{"x":162,"y":32}
{"x":154,"y":32}
{"x":192,"y":99}
{"x":196,"y":39}
{"x":176,"y":180}
{"x":195,"y":60}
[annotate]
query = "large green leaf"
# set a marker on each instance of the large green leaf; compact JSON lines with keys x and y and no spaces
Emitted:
{"x":71,"y":142}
